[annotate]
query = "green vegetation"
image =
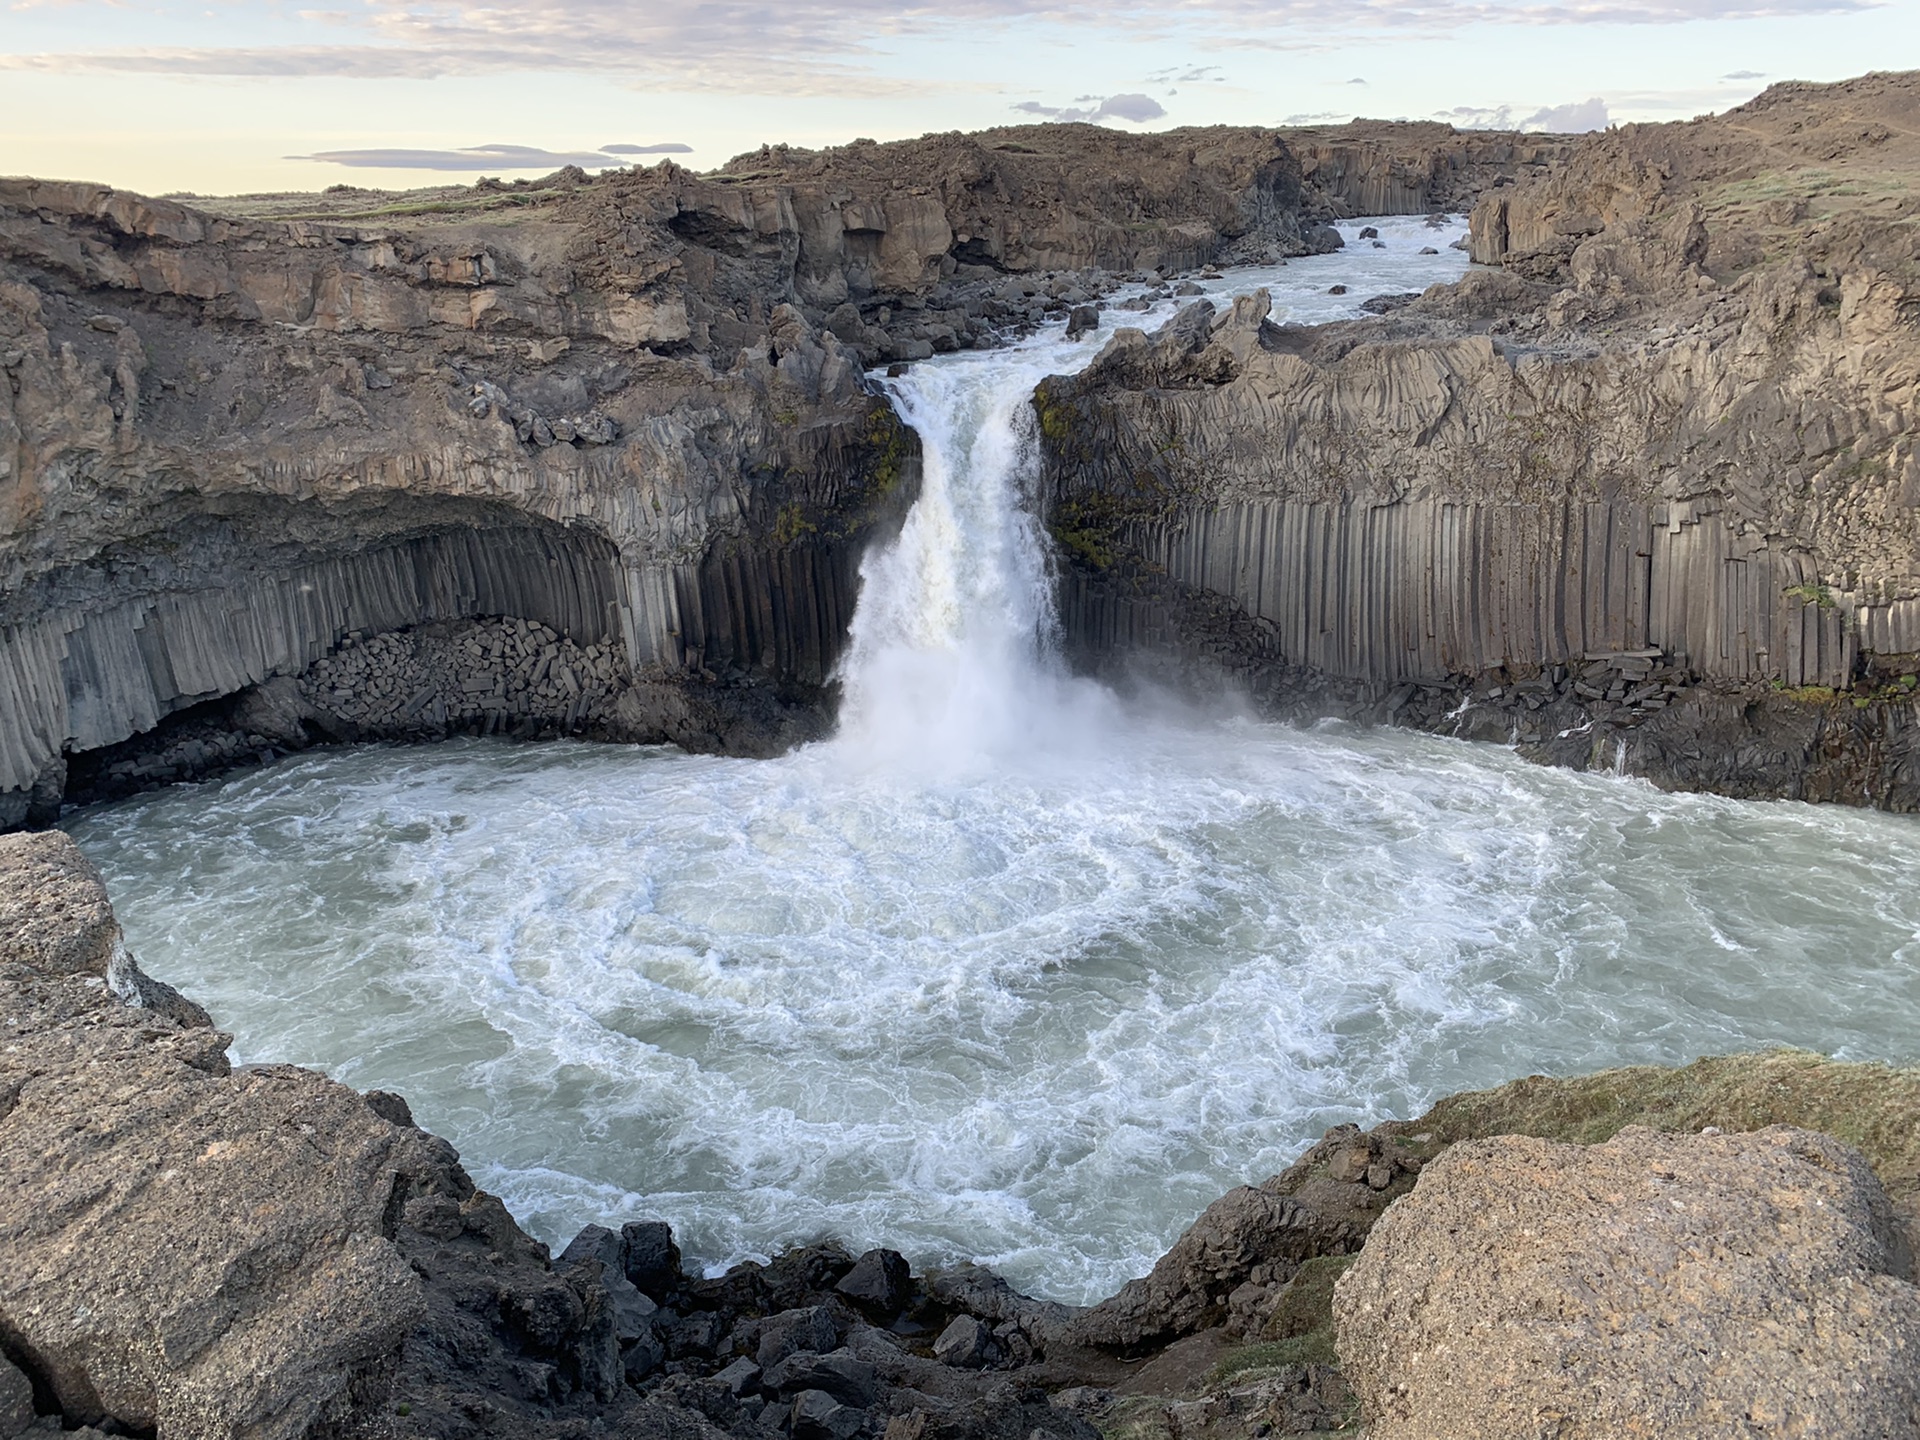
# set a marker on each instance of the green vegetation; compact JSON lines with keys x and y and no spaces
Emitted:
{"x":1056,"y":417}
{"x":791,"y":524}
{"x":1300,"y":1330}
{"x":1088,"y":530}
{"x":1251,"y":1361}
{"x":1306,"y":1305}
{"x":887,"y":439}
{"x":1805,"y":694}
{"x":1873,"y":1107}
{"x":1812,"y":594}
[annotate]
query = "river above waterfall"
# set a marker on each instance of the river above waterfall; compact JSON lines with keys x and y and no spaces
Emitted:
{"x":1011,"y":969}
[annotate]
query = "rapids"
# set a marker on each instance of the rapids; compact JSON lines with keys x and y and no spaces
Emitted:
{"x":1010,"y":969}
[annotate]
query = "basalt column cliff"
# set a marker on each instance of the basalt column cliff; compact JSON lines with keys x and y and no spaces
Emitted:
{"x":1644,"y":495}
{"x":572,"y":456}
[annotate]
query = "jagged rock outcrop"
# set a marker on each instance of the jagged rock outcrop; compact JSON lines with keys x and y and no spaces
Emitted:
{"x":1374,"y":167}
{"x":1233,"y":1267}
{"x":1676,"y":428}
{"x":1701,"y":1285}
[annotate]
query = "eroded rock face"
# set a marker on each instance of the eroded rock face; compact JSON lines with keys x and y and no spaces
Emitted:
{"x":1704,"y":1285}
{"x":1676,"y":429}
{"x":1232,"y":1266}
{"x":236,"y":436}
{"x":188,"y":1248}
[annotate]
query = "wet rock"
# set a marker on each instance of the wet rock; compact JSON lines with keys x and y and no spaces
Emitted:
{"x":1336,"y":290}
{"x":810,"y":1328}
{"x":878,"y":1283}
{"x":1324,"y":240}
{"x":1369,"y":232}
{"x":650,"y":1258}
{"x":1082,"y":320}
{"x":1700,"y":1285}
{"x":966,"y":1343}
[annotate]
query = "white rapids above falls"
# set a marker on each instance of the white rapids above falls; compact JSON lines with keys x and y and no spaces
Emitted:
{"x":1010,"y":969}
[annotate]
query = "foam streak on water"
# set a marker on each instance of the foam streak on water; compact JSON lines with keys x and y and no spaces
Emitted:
{"x":1008,"y":970}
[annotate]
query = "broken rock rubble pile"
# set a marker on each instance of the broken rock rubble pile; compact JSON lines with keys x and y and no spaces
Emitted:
{"x":489,"y":673}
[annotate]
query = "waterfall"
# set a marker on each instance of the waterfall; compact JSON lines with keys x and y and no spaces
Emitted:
{"x":953,"y":664}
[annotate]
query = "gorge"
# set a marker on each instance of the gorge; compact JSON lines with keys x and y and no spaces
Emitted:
{"x":968,"y":531}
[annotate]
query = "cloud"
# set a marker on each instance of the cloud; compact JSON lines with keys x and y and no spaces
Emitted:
{"x":1356,"y":81}
{"x":1135,"y":107}
{"x":1573,"y":118}
{"x":1744,"y":75}
{"x":1317,"y":117}
{"x":487,"y":157}
{"x":1475,"y":117}
{"x":816,"y":47}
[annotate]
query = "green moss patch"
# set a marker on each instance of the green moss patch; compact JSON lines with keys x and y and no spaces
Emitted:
{"x":1873,"y":1107}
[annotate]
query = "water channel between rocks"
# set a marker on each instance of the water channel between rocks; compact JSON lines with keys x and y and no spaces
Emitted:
{"x":1010,"y":969}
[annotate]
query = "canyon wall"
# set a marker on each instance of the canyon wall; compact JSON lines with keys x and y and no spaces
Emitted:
{"x":238,"y":436}
{"x":1671,"y":436}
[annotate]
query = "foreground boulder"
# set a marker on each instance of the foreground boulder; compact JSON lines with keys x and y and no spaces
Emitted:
{"x":1656,"y":1285}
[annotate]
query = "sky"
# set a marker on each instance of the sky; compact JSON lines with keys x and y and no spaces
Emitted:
{"x":228,"y":96}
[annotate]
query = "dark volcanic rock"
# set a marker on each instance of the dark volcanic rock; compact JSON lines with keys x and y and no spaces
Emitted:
{"x":811,"y":1329}
{"x":651,"y":1258}
{"x":878,"y":1283}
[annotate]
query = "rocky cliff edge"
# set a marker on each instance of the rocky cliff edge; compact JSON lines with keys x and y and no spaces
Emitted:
{"x":618,"y":424}
{"x":1641,"y":495}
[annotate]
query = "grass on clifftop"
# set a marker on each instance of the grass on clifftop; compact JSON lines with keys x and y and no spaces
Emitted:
{"x":1875,"y":1108}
